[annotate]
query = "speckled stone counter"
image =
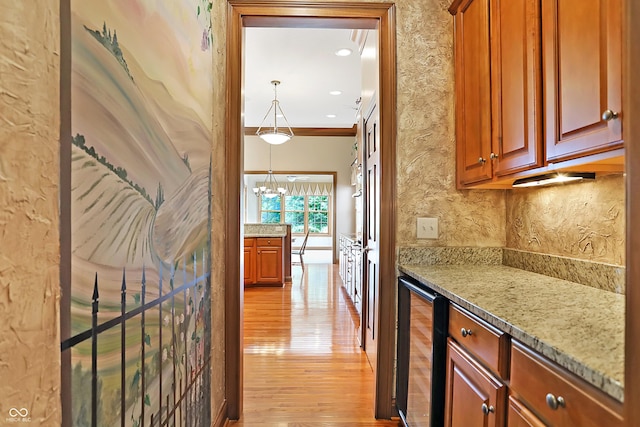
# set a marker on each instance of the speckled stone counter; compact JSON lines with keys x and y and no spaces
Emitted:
{"x":265,"y":230}
{"x":579,"y":327}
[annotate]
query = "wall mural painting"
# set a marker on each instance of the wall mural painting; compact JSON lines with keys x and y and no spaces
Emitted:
{"x":141,"y":214}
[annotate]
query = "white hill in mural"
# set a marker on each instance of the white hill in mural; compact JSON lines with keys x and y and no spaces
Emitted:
{"x":114,"y":116}
{"x":113,"y":218}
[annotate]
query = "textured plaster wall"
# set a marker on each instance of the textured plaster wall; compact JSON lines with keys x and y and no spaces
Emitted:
{"x":585,"y":221}
{"x":219,"y":170}
{"x":426,"y":137}
{"x":29,"y":237}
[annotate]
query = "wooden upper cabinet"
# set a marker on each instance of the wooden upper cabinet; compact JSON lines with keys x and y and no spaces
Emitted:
{"x":581,"y":44}
{"x":498,"y":88}
{"x":516,"y":80}
{"x":473,"y":90}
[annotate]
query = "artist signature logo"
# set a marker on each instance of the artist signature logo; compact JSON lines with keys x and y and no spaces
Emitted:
{"x":18,"y":415}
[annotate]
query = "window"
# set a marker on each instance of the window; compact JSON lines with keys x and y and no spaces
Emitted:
{"x":294,"y":208}
{"x":318,"y":214}
{"x":270,"y":210}
{"x":302,"y":212}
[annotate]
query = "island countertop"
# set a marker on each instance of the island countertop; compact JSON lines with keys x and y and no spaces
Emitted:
{"x":579,"y":327}
{"x":265,"y":230}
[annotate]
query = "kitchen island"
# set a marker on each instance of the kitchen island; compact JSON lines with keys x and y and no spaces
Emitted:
{"x":267,"y":254}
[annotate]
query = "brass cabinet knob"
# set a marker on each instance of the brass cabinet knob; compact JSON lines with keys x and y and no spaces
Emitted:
{"x":482,"y":160}
{"x":465,"y":332}
{"x":608,"y":115}
{"x":554,"y":402}
{"x":486,"y":409}
{"x":493,"y":156}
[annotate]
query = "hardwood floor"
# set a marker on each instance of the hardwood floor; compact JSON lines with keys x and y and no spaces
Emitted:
{"x":302,"y":362}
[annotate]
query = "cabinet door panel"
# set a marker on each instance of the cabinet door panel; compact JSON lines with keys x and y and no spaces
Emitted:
{"x":582,"y":76}
{"x":517,"y":85}
{"x":473,"y":92}
{"x":469,"y":387}
{"x":269,"y":265}
{"x":249,"y":265}
{"x":520,"y":416}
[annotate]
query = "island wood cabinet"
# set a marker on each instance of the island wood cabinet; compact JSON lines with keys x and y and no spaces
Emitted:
{"x":264,"y":261}
{"x":249,"y":261}
{"x":509,"y":56}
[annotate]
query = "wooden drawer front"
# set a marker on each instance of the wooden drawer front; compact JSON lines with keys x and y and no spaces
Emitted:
{"x":487,"y":343}
{"x":249,"y":241}
{"x":536,"y":381}
{"x":269,"y":241}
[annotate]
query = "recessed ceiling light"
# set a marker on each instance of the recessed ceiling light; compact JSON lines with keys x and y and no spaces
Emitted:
{"x":335,"y":92}
{"x":331,"y":116}
{"x":344,"y":52}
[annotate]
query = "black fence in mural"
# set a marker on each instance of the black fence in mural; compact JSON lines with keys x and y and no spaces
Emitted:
{"x":187,"y":402}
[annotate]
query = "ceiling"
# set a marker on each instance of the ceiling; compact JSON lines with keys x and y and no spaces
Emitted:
{"x":304,"y":61}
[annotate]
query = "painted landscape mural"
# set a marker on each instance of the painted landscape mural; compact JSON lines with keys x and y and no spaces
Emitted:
{"x":141,"y":213}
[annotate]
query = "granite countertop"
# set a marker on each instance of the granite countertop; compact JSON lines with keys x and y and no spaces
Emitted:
{"x":266,"y":234}
{"x":265,"y":230}
{"x":579,"y":327}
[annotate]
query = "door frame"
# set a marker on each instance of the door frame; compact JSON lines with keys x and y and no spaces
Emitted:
{"x":631,"y":111}
{"x":325,"y":15}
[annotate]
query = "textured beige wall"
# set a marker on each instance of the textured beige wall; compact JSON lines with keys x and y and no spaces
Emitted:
{"x":585,"y":220}
{"x":219,"y":170}
{"x":29,"y":238}
{"x":426,"y":137}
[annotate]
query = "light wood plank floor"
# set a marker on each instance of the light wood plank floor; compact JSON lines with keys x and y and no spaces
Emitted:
{"x":302,"y":362}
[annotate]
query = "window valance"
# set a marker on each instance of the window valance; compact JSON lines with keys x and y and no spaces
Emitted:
{"x":309,"y":188}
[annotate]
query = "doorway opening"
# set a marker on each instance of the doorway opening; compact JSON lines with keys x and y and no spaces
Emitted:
{"x":380,"y":16}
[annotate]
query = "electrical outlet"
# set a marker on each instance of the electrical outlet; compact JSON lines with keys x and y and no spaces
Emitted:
{"x":427,"y":228}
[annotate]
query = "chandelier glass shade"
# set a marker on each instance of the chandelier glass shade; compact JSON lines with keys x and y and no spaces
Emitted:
{"x":269,"y":131}
{"x":269,"y":187}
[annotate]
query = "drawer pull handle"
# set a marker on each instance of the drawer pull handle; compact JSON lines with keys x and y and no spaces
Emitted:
{"x":488,"y":409}
{"x":465,"y":332}
{"x":555,"y":402}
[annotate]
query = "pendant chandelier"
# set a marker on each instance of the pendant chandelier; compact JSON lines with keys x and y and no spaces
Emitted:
{"x":274,"y":134}
{"x":269,"y":187}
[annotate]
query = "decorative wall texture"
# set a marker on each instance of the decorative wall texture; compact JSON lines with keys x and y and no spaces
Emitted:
{"x":584,"y":220}
{"x":426,"y":137}
{"x":140,"y":228}
{"x":29,"y":215}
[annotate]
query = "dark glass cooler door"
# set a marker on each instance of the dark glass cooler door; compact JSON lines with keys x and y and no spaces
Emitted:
{"x":422,"y":317}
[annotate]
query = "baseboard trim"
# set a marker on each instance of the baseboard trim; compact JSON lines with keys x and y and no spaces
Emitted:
{"x":221,"y":419}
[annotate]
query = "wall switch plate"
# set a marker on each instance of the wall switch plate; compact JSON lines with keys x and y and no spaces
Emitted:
{"x":427,"y":228}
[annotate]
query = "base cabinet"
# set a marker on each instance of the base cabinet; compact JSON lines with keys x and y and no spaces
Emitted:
{"x":249,"y":261}
{"x":558,"y":397}
{"x":351,"y":270}
{"x":264,"y":261}
{"x":474,"y":396}
{"x":520,"y":416}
